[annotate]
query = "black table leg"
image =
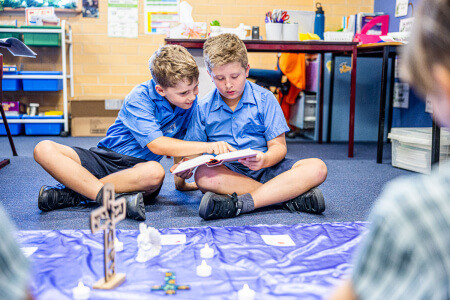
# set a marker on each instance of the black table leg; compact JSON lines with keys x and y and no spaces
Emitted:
{"x":5,"y":122}
{"x":322,"y":58}
{"x":330,"y":102}
{"x":391,"y":94}
{"x":381,"y":117}
{"x":435,"y":142}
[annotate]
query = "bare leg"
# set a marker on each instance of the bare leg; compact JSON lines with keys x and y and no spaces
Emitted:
{"x":63,"y":163}
{"x":304,"y":175}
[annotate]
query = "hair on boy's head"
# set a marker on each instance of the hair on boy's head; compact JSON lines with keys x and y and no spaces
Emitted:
{"x":171,"y":64}
{"x":428,"y":46}
{"x":224,"y":48}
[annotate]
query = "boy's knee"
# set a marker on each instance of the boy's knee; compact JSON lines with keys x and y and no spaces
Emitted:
{"x":316,"y":168}
{"x":205,"y":179}
{"x":152,"y":175}
{"x":321,"y":169}
{"x":43,"y":149}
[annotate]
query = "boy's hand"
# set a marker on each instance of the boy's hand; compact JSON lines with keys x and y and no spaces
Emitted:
{"x":185,"y":174}
{"x":254,"y":163}
{"x":219,"y":148}
{"x":180,"y":178}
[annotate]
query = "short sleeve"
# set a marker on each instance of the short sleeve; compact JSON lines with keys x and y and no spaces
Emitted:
{"x":274,"y":119}
{"x":383,"y":260}
{"x":141,"y":120}
{"x":196,"y":131}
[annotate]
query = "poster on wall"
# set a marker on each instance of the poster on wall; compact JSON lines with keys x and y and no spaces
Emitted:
{"x":406,"y":25}
{"x":401,"y":8}
{"x":90,"y":9}
{"x":160,"y":15}
{"x":123,"y":18}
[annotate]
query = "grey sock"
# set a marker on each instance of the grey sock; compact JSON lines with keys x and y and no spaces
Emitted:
{"x":247,"y":203}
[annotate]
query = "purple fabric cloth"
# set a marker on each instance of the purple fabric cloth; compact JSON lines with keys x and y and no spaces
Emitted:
{"x":308,"y":270}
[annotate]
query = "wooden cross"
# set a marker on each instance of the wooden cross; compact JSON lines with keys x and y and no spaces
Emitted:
{"x":105,"y":217}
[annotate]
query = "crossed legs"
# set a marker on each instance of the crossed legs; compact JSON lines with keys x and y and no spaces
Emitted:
{"x":63,"y":163}
{"x":304,"y":175}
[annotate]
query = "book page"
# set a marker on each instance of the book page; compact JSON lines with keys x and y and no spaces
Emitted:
{"x":192,"y":163}
{"x":235,"y":155}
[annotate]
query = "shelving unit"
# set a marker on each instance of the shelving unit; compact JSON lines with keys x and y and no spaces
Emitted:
{"x":66,"y":44}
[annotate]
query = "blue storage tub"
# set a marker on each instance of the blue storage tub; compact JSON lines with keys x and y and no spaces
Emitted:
{"x":11,"y":84}
{"x":14,"y":128}
{"x":43,"y":128}
{"x":41,"y":84}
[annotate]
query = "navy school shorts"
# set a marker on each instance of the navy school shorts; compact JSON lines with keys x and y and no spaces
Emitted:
{"x":102,"y":162}
{"x":264,"y":174}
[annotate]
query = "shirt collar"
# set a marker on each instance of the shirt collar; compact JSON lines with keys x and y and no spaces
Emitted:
{"x":247,"y":97}
{"x":157,"y":96}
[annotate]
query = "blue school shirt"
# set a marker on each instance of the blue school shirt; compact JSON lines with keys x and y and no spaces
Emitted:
{"x":258,"y":118}
{"x":145,"y":115}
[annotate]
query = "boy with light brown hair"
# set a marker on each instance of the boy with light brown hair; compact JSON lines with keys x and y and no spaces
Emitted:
{"x":151,"y":123}
{"x":246,"y":115}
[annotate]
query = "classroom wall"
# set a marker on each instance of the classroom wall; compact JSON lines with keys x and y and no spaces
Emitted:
{"x":108,"y":68}
{"x":414,"y":115}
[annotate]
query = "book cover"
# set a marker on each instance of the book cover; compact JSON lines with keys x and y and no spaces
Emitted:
{"x":212,"y":161}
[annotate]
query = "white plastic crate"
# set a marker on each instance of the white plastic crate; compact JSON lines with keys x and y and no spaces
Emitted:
{"x":411,"y":148}
{"x":338,"y":36}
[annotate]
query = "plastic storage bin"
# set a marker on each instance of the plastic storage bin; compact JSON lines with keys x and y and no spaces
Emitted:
{"x":14,"y":128}
{"x":43,"y":128}
{"x":11,"y":84}
{"x":41,"y":84}
{"x":411,"y":148}
{"x":4,"y":35}
{"x":42,"y":39}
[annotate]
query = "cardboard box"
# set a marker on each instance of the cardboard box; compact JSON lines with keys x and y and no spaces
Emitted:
{"x":14,"y":108}
{"x":93,"y":117}
{"x":91,"y":126}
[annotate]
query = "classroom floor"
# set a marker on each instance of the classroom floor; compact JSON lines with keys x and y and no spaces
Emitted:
{"x":352,"y":186}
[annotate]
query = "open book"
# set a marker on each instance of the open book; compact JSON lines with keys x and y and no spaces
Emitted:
{"x":212,"y":161}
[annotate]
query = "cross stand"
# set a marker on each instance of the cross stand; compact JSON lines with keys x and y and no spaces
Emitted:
{"x":105,"y":217}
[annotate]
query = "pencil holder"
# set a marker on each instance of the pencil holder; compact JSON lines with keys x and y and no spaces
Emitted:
{"x":274,"y":31}
{"x":290,"y":32}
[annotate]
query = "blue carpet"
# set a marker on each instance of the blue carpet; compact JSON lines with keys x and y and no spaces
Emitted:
{"x":350,"y":189}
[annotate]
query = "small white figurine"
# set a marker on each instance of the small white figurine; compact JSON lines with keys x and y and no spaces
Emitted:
{"x":149,"y":243}
{"x":118,"y":245}
{"x":81,"y":292}
{"x":204,"y":270}
{"x":206,"y":252}
{"x":246,"y":293}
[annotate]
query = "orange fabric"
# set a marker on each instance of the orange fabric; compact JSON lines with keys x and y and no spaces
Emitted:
{"x":285,"y":107}
{"x":293,"y":66}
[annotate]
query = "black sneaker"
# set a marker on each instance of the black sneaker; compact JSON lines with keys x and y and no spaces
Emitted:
{"x":215,"y":206}
{"x":135,"y":205}
{"x":311,"y":202}
{"x":55,"y":197}
{"x":134,"y":201}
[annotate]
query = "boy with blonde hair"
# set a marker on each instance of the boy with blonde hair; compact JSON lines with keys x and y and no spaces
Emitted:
{"x":248,"y":116}
{"x":151,"y":123}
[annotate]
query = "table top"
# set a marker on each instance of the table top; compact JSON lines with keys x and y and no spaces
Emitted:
{"x":315,"y":46}
{"x":376,"y":45}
